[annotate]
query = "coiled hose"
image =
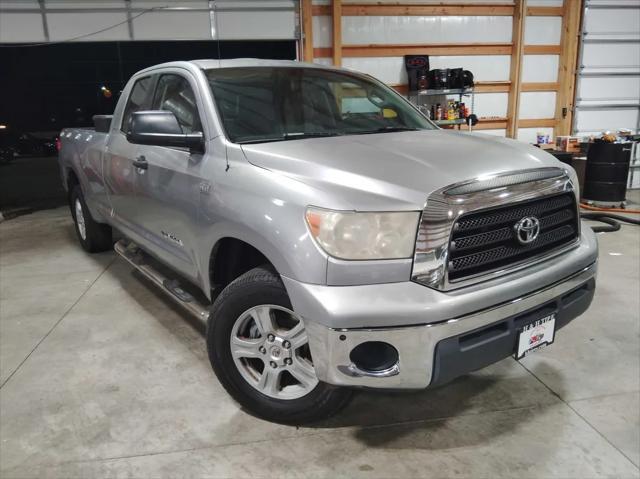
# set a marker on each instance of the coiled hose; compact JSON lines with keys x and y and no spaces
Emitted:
{"x":603,"y":216}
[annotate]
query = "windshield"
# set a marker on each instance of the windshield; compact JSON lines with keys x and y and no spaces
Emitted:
{"x":260,"y":104}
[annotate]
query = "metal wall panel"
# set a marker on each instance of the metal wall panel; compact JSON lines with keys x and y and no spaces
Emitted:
{"x":540,"y":68}
{"x":483,"y":67}
{"x":542,"y":30}
{"x":537,"y":104}
{"x":364,"y":30}
{"x":392,"y":70}
{"x":491,"y":104}
{"x":322,"y":31}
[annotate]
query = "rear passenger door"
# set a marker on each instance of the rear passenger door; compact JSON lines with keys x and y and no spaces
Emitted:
{"x":120,"y":175}
{"x":168,"y":193}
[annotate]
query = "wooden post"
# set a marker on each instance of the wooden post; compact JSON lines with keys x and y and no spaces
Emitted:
{"x":517,"y":40}
{"x":569,"y":43}
{"x":336,"y":12}
{"x":307,"y":30}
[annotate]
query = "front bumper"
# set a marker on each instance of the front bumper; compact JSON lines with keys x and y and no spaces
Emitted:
{"x":441,"y":348}
{"x":436,"y":353}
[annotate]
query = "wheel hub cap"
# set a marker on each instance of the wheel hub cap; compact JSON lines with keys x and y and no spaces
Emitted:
{"x":82,"y":229}
{"x":274,"y":358}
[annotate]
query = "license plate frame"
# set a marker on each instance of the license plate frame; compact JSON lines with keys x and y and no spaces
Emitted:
{"x":535,"y":336}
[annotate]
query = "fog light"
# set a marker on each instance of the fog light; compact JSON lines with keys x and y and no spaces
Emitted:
{"x":374,"y":356}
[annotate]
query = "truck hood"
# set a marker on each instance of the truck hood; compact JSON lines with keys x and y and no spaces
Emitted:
{"x":394,"y":170}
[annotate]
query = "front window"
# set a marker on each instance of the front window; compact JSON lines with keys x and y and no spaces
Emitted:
{"x":261,"y":104}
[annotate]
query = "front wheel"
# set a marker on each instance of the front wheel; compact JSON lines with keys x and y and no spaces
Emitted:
{"x":259,"y":349}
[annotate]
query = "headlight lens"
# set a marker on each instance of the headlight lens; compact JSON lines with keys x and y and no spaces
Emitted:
{"x":573,"y":176}
{"x":359,"y":235}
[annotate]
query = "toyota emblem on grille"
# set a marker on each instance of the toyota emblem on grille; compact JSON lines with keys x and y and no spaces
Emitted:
{"x":527,"y":229}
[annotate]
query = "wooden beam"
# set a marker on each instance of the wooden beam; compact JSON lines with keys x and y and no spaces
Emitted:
{"x":479,"y":87}
{"x":323,"y":52}
{"x":492,"y":86}
{"x":517,"y":37}
{"x":428,"y":49}
{"x":542,"y":49}
{"x":491,"y":124}
{"x":357,"y":10}
{"x":307,"y":30}
{"x":537,"y":123}
{"x":545,"y":11}
{"x":321,"y":10}
{"x":540,"y":86}
{"x":416,"y":9}
{"x":336,"y":16}
{"x":570,"y":40}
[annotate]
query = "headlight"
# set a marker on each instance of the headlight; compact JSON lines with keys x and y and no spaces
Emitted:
{"x":573,"y":176}
{"x":358,"y":235}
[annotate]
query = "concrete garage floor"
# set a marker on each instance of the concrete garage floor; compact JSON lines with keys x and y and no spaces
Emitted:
{"x":102,"y":376}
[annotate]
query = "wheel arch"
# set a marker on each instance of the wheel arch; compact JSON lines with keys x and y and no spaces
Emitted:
{"x":230,"y":257}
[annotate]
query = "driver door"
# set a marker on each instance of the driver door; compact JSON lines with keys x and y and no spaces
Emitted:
{"x":168,"y":190}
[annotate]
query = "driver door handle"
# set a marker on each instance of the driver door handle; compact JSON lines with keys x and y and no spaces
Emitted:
{"x":141,"y":162}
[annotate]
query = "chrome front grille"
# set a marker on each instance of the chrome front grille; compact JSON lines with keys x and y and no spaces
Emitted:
{"x":466,"y":232}
{"x":485,"y":241}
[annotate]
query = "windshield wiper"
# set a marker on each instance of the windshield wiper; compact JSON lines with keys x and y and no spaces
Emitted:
{"x":292,"y":136}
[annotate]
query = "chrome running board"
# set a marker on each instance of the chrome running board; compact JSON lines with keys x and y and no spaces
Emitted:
{"x":144,"y":264}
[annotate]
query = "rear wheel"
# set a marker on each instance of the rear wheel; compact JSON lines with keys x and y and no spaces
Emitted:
{"x":259,"y":349}
{"x":93,"y":236}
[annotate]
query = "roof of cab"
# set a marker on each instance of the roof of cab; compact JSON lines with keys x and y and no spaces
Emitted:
{"x":237,"y":62}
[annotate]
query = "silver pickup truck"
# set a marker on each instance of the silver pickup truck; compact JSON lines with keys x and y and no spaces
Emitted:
{"x":329,"y":234}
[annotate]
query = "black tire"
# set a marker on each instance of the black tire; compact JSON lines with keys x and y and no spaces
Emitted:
{"x":262,"y":286}
{"x":98,"y":236}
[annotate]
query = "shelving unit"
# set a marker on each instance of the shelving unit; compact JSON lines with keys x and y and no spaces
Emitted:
{"x":421,"y":100}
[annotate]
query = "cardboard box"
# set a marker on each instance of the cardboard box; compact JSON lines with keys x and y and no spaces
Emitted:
{"x":569,"y":144}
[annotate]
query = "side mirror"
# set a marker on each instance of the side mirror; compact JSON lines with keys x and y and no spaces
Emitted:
{"x":161,"y":128}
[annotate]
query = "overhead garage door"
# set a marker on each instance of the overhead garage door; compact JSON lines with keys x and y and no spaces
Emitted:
{"x":608,"y":87}
{"x":30,"y":21}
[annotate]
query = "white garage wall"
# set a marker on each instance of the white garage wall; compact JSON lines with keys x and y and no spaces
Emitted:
{"x":539,"y":30}
{"x":364,"y":30}
{"x":540,"y":68}
{"x":415,"y":30}
{"x":322,"y":31}
{"x":542,"y":30}
{"x":537,"y":104}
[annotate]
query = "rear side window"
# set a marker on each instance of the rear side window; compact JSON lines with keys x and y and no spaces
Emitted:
{"x":136,"y":100}
{"x":174,"y":94}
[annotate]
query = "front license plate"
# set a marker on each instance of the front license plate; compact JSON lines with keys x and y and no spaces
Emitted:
{"x":536,"y":335}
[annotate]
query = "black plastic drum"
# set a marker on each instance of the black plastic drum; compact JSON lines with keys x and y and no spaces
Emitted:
{"x":606,"y":172}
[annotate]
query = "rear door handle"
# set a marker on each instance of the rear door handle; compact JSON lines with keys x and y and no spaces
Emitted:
{"x":141,"y":163}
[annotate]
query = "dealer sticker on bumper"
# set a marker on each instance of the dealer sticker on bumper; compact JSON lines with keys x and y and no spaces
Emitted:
{"x":536,"y":335}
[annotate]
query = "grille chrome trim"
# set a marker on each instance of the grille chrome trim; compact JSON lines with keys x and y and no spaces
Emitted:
{"x":445,"y":206}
